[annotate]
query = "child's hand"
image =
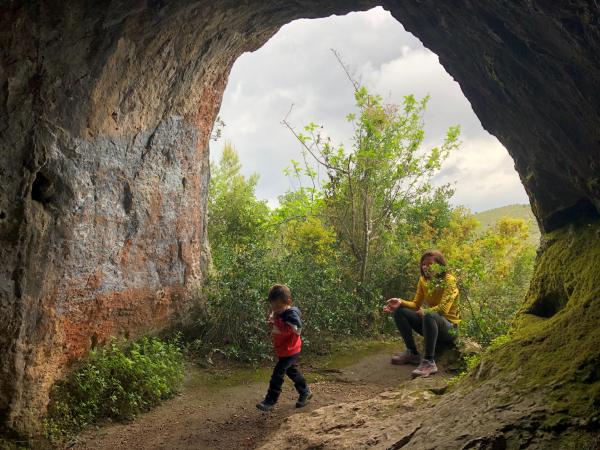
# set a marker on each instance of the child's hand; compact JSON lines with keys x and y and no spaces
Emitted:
{"x":271,"y":319}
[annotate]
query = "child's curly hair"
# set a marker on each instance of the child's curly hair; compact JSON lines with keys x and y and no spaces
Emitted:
{"x":280,"y":292}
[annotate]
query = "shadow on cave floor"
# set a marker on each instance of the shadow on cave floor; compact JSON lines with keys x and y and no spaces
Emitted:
{"x":219,"y":413}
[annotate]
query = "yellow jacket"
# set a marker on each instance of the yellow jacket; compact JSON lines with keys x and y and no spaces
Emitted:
{"x":443,"y":300}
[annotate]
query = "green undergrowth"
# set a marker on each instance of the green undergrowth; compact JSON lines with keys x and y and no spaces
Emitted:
{"x":317,"y":367}
{"x":554,"y":348}
{"x":472,"y":361}
{"x":10,"y":442}
{"x":115,"y":382}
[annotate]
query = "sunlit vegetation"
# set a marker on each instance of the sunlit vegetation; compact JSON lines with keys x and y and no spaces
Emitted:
{"x":348,"y":234}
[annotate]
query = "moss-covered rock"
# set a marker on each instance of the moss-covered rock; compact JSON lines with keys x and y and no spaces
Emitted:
{"x":556,"y":342}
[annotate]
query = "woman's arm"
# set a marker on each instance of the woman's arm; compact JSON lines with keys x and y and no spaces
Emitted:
{"x":419,"y":296}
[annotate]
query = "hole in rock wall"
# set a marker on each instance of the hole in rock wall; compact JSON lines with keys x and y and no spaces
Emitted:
{"x":127,"y":197}
{"x":2,"y":215}
{"x":583,"y":209}
{"x":549,"y":304}
{"x":42,"y":189}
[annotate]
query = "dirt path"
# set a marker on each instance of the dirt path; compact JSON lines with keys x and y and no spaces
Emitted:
{"x":217,"y":411}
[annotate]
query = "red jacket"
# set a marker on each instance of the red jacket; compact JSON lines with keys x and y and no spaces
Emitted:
{"x":285,"y":332}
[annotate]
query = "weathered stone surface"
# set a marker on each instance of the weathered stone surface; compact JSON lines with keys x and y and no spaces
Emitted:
{"x":106,"y":111}
{"x":382,"y":422}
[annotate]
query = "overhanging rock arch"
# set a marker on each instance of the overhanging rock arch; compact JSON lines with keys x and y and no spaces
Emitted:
{"x":106,"y":114}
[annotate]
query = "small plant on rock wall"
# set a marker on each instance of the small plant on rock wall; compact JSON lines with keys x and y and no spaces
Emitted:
{"x":115,"y":382}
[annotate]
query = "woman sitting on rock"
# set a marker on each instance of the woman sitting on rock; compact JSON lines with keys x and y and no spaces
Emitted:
{"x":433,"y":313}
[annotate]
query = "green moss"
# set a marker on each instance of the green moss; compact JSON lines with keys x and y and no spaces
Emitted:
{"x":555,"y":344}
{"x":347,"y":353}
{"x":342,"y":355}
{"x":217,"y":379}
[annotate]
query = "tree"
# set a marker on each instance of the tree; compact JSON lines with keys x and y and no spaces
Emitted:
{"x":236,"y":217}
{"x":369,"y":185}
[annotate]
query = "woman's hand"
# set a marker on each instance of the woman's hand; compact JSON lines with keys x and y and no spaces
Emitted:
{"x":420,"y":312}
{"x":392,"y":305}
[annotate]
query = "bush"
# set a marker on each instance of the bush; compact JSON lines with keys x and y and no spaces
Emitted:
{"x":232,"y":321}
{"x":115,"y":382}
{"x":297,"y":243}
{"x":496,"y":280}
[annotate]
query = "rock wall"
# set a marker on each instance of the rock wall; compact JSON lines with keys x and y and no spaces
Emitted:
{"x":106,"y":110}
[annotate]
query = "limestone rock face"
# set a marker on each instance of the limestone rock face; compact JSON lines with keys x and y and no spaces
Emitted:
{"x":106,"y":112}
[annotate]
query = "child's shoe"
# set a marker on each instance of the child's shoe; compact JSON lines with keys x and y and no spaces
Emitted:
{"x":303,"y":399}
{"x":265,"y":406}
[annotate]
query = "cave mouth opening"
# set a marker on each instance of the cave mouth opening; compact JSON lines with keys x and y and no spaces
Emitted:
{"x":296,"y":67}
{"x":503,"y":55}
{"x":296,"y":70}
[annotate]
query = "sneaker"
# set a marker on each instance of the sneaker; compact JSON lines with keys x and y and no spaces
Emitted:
{"x":303,"y":399}
{"x":407,"y":357}
{"x":265,"y":405}
{"x":425,"y":369}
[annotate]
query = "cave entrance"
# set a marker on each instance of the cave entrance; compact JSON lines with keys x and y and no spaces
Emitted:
{"x":117,"y":103}
{"x":296,"y":67}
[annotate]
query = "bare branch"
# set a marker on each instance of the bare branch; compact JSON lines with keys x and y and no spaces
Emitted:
{"x":355,"y":83}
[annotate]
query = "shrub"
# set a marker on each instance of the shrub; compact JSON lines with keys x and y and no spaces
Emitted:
{"x":232,"y":321}
{"x":115,"y":382}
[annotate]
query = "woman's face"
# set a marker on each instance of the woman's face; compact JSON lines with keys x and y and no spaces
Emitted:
{"x":426,"y":264}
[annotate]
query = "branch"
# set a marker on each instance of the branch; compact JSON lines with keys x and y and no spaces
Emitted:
{"x":323,"y":163}
{"x":355,"y":84}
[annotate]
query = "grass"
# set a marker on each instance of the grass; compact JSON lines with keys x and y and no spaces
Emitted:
{"x":341,"y":355}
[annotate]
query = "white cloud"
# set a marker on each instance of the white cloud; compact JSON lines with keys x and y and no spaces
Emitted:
{"x":484,"y":175}
{"x":297,"y":66}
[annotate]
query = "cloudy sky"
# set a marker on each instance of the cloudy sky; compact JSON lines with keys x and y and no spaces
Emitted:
{"x":297,"y":67}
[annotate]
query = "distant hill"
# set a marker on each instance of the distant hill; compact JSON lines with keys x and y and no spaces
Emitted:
{"x":491,"y":216}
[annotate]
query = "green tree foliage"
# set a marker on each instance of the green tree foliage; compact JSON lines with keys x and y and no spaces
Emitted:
{"x":369,"y":186}
{"x":236,"y":217}
{"x":346,"y":242}
{"x":495,"y":274}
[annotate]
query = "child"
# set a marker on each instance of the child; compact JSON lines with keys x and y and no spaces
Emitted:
{"x":285,"y":331}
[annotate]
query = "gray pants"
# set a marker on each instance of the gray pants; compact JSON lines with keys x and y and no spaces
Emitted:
{"x":432,"y":326}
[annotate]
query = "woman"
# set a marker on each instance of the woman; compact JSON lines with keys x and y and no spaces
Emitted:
{"x":433,"y":313}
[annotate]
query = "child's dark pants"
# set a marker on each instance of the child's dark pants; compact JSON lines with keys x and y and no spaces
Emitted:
{"x":285,"y":366}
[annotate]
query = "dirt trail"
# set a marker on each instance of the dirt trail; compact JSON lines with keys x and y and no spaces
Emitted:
{"x":208,"y":415}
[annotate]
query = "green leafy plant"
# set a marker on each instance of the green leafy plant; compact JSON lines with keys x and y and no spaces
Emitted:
{"x":116,"y":382}
{"x":470,"y":363}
